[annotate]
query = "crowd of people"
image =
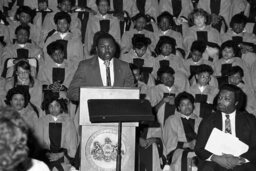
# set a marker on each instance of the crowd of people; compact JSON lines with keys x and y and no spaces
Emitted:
{"x":194,"y":60}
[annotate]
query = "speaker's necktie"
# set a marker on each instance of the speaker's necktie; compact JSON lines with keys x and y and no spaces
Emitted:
{"x":107,"y":63}
{"x":227,"y":125}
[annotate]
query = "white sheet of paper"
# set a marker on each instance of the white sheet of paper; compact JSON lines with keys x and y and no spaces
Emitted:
{"x":220,"y":143}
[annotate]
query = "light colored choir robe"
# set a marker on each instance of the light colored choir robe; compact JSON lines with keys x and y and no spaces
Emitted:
{"x":249,"y":27}
{"x":151,"y":8}
{"x":251,"y":100}
{"x":45,"y":72}
{"x":235,"y":61}
{"x":4,"y":32}
{"x":225,"y":8}
{"x":93,"y":26}
{"x":10,"y":51}
{"x":35,"y":91}
{"x":49,"y":24}
{"x":209,"y":90}
{"x":238,"y":6}
{"x":74,"y":47}
{"x":171,"y":33}
{"x":35,"y":33}
{"x":128,"y":6}
{"x":69,"y":138}
{"x":186,"y":7}
{"x":191,"y":36}
{"x":173,"y":133}
{"x":126,"y":41}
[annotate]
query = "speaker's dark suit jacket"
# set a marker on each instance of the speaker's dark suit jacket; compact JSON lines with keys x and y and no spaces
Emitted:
{"x":245,"y":130}
{"x":88,"y":75}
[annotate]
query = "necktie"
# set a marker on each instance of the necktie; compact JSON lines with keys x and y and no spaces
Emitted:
{"x":107,"y":63}
{"x":227,"y":125}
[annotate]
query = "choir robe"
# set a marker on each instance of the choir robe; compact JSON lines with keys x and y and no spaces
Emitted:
{"x":128,"y":6}
{"x":35,"y":91}
{"x":167,"y":5}
{"x":35,"y":33}
{"x":68,"y":136}
{"x":191,"y":35}
{"x":174,"y":135}
{"x":10,"y":51}
{"x":74,"y":47}
{"x":235,"y":61}
{"x":49,"y":24}
{"x":4,"y":35}
{"x":126,"y":41}
{"x":171,"y":33}
{"x":93,"y":26}
{"x":46,"y":76}
{"x":203,"y":107}
{"x":225,"y":8}
{"x":250,"y":27}
{"x":238,"y":6}
{"x":149,"y":7}
{"x":251,"y":100}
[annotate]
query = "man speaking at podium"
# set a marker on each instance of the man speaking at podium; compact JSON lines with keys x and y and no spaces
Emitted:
{"x":101,"y":70}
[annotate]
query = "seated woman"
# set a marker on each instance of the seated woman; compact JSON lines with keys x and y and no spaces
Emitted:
{"x":57,"y":72}
{"x":57,"y":135}
{"x":21,"y":49}
{"x":179,"y":133}
{"x":19,"y":99}
{"x":22,"y":77}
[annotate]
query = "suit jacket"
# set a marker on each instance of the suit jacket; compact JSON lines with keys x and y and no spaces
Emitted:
{"x":88,"y":74}
{"x":245,"y":131}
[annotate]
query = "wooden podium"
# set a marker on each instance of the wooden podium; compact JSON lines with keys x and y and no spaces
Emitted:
{"x":99,"y":140}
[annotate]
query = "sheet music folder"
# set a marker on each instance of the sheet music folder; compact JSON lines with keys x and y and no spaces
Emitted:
{"x":119,"y":110}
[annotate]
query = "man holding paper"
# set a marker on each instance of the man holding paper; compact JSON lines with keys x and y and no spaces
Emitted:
{"x":231,"y":120}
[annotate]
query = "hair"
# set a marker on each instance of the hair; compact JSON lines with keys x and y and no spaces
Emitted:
{"x":163,"y":70}
{"x":199,"y":12}
{"x":238,"y":19}
{"x":24,"y":65}
{"x":18,"y":90}
{"x":140,"y":41}
{"x":71,"y":1}
{"x":240,"y":97}
{"x":13,"y":138}
{"x":140,"y":15}
{"x":98,"y":2}
{"x":167,"y":15}
{"x":47,"y":101}
{"x":198,"y":45}
{"x":228,"y":44}
{"x":165,"y":40}
{"x":204,"y":68}
{"x":235,"y":70}
{"x":62,"y":15}
{"x":22,"y":27}
{"x":182,"y":96}
{"x":52,"y":47}
{"x":27,"y":10}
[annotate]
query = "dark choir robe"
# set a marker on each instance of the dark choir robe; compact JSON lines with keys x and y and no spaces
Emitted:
{"x":176,"y":132}
{"x":126,"y":41}
{"x":223,"y":66}
{"x":208,"y":34}
{"x":30,"y":50}
{"x":223,"y":8}
{"x":75,"y":25}
{"x":35,"y":32}
{"x":107,"y":23}
{"x":73,"y":47}
{"x":203,"y":99}
{"x":58,"y":135}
